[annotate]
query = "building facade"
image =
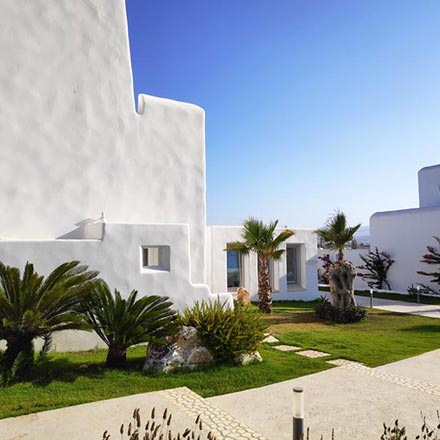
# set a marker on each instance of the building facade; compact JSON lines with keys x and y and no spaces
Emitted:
{"x":406,"y":233}
{"x":84,"y":175}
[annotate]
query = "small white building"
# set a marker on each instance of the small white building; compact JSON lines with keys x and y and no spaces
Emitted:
{"x":293,"y":277}
{"x":86,"y":176}
{"x":406,"y":233}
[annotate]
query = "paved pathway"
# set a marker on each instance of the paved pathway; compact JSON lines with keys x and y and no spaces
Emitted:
{"x":353,"y":399}
{"x":430,"y":311}
{"x":89,"y":421}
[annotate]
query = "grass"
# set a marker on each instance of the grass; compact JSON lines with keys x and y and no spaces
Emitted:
{"x":424,"y":299}
{"x":381,"y":338}
{"x":71,"y":378}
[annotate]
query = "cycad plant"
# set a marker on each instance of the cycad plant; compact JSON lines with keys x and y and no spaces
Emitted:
{"x":121,"y":323}
{"x":33,"y":306}
{"x":260,"y":238}
{"x":337,"y":233}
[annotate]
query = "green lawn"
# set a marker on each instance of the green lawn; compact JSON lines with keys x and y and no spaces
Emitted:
{"x":383,"y":337}
{"x":69,"y":379}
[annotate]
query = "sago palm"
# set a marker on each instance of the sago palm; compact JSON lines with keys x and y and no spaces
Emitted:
{"x":260,"y":238}
{"x":33,"y":306}
{"x":337,"y":233}
{"x":121,"y":323}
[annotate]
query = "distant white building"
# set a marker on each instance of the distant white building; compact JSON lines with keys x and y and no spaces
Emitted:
{"x":406,"y":233}
{"x":85,"y":176}
{"x":292,"y":277}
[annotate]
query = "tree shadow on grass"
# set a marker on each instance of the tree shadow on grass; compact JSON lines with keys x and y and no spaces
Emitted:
{"x":423,"y":329}
{"x":65,"y":370}
{"x":289,"y":318}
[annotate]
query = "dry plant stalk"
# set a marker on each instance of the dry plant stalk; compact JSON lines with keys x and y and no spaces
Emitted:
{"x":159,"y":429}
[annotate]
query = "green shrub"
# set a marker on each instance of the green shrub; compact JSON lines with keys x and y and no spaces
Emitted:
{"x":121,"y":323}
{"x":33,"y":306}
{"x":341,"y":315}
{"x":224,"y":331}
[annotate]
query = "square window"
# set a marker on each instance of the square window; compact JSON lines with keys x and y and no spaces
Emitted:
{"x":156,"y":257}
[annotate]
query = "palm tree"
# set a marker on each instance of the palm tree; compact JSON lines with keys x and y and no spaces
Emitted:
{"x":337,"y":234}
{"x":121,"y":323}
{"x":32,"y":306}
{"x":259,"y":238}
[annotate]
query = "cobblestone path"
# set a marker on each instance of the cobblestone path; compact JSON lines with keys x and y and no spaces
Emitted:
{"x":223,"y":425}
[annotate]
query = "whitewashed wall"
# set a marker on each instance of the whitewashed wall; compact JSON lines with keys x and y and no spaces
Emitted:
{"x":72,"y":144}
{"x":405,"y":235}
{"x":429,"y":186}
{"x":118,"y":258}
{"x":219,"y":236}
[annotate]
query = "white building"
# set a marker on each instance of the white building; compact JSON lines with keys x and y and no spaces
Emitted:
{"x":406,"y":233}
{"x":74,"y":147}
{"x":293,"y":277}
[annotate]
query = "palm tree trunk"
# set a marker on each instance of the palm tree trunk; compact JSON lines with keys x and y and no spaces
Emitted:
{"x":341,"y":254}
{"x":264,"y":288}
{"x":16,"y":345}
{"x":116,"y":357}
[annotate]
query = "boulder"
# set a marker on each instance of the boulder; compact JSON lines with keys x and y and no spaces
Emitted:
{"x":183,"y":351}
{"x":243,"y":297}
{"x":248,"y":358}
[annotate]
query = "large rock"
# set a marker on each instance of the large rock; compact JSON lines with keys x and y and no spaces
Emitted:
{"x":248,"y":358}
{"x":183,"y":351}
{"x":243,"y":296}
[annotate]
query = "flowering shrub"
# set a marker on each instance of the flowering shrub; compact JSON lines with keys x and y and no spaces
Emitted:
{"x":326,"y":263}
{"x":376,"y":266}
{"x":433,"y":257}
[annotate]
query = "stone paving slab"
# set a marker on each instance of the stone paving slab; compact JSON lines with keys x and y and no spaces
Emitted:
{"x":427,"y":310}
{"x":424,"y":370}
{"x":313,"y":353}
{"x":354,"y":400}
{"x":287,"y":347}
{"x":270,"y":339}
{"x":408,"y":382}
{"x":89,"y":421}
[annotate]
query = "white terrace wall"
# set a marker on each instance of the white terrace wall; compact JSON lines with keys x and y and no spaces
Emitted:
{"x":118,"y":258}
{"x":72,"y":144}
{"x":405,"y":235}
{"x":219,"y":236}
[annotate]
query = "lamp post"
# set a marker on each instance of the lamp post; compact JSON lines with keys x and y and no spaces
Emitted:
{"x":371,"y":298}
{"x":298,"y":413}
{"x":418,"y":294}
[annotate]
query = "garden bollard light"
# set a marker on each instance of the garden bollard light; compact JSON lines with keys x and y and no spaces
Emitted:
{"x":371,"y":298}
{"x":418,"y":294}
{"x":298,"y":414}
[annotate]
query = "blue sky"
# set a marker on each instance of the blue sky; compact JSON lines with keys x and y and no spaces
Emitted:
{"x":310,"y":105}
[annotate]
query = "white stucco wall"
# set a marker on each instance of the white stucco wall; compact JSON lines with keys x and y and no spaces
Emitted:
{"x":429,"y":186}
{"x":118,"y":258}
{"x":219,"y":236}
{"x":73,"y":145}
{"x":405,"y":235}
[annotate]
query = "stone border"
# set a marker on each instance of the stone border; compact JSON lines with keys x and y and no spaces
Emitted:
{"x":407,"y":382}
{"x":223,"y":425}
